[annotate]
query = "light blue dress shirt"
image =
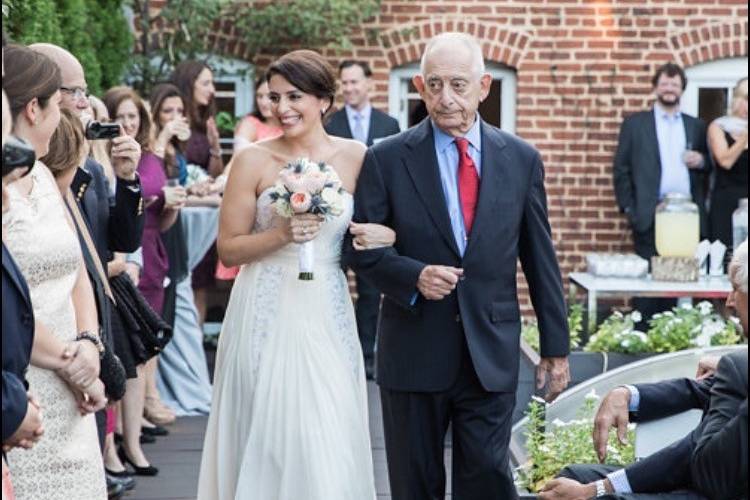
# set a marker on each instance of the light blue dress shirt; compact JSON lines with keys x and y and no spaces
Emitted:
{"x":619,"y":478}
{"x":364,"y":117}
{"x":447,"y":157}
{"x":670,"y":133}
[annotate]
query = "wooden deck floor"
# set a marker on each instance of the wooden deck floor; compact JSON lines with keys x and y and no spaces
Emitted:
{"x":178,"y":458}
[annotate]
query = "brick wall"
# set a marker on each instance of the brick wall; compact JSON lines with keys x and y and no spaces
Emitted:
{"x":582,"y":65}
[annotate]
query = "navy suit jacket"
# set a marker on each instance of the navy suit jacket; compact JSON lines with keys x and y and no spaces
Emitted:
{"x":18,"y":337}
{"x":712,"y":459}
{"x":637,"y":169}
{"x":116,"y":224}
{"x":420,"y":344}
{"x":381,"y":125}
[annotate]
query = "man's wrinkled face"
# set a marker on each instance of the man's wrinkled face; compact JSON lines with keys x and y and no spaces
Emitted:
{"x":452,"y":88}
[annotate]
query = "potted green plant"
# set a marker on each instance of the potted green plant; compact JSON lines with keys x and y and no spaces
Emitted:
{"x":552,"y":446}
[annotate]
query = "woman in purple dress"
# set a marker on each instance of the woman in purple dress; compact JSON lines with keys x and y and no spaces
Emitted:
{"x":195,"y":81}
{"x":162,"y":205}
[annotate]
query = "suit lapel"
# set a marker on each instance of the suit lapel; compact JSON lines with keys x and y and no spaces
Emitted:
{"x":422,"y":165}
{"x":494,"y":161}
{"x":345,"y":124}
{"x":14,"y":273}
{"x":688,"y":124}
{"x":371,"y":129}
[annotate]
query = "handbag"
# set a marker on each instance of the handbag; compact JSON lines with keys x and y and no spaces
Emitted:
{"x":151,"y":332}
{"x":111,"y":372}
{"x":113,"y":376}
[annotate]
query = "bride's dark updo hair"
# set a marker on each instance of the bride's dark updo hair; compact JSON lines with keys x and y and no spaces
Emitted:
{"x":309,"y":72}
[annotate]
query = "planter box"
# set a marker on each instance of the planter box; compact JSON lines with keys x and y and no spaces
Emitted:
{"x":583,"y":366}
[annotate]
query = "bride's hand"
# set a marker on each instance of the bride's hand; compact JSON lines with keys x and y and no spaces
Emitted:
{"x":302,"y":228}
{"x":370,"y":236}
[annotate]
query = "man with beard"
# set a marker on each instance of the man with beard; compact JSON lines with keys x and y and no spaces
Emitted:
{"x":659,"y":151}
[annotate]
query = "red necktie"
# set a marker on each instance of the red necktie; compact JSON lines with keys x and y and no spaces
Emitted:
{"x":468,"y":183}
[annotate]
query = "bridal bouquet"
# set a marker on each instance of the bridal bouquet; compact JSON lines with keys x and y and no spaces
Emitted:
{"x":308,"y":187}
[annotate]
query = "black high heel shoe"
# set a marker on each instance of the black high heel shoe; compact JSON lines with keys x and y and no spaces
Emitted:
{"x":155,"y":431}
{"x":150,"y":470}
{"x":122,"y":473}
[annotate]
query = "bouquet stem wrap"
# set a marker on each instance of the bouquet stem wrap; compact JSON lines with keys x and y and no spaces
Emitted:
{"x":306,"y":260}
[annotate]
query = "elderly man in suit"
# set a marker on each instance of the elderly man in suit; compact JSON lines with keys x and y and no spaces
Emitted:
{"x":359,"y":120}
{"x":448,"y":336}
{"x":710,"y":462}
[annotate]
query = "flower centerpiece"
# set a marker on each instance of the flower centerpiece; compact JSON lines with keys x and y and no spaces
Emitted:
{"x":308,"y":187}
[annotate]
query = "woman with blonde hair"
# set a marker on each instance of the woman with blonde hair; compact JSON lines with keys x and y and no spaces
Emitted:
{"x":727,"y":141}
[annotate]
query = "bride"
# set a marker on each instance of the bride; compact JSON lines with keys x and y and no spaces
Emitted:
{"x":289,"y":413}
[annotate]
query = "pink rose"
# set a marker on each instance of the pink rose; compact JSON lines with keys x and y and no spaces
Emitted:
{"x":292,"y":180}
{"x":314,"y":181}
{"x":300,"y":202}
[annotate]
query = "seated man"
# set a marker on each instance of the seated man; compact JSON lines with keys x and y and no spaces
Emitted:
{"x":710,"y":462}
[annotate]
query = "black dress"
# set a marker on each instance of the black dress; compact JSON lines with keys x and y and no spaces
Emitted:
{"x":730,"y":187}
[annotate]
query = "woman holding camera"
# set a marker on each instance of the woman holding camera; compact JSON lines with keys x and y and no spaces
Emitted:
{"x":39,"y":233}
{"x":163,"y":203}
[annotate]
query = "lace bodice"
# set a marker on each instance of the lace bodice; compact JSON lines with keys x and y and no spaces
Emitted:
{"x":67,"y":462}
{"x":46,"y":248}
{"x":327,"y":244}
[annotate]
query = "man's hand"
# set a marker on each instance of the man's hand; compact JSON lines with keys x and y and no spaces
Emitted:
{"x":84,"y":369}
{"x":693,"y":159}
{"x":613,"y":412}
{"x":369,"y":236}
{"x":437,"y":282}
{"x":126,"y":153}
{"x":559,"y":376}
{"x":707,"y":366}
{"x":31,"y":428}
{"x":567,"y":489}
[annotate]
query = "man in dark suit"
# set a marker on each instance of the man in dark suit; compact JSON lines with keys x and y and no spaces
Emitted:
{"x":660,"y":151}
{"x":466,"y":200}
{"x":710,"y":462}
{"x":359,"y":120}
{"x":114,"y":221}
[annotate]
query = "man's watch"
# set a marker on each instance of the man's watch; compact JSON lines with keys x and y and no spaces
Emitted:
{"x":601,"y":489}
{"x":93,"y":339}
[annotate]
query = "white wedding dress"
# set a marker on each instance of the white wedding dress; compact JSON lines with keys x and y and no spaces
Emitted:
{"x":289,"y":417}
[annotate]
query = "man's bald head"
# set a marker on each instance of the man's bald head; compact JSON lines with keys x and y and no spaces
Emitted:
{"x":73,"y":77}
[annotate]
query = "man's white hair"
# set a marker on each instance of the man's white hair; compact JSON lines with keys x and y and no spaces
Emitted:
{"x":738,"y":267}
{"x":451,"y":39}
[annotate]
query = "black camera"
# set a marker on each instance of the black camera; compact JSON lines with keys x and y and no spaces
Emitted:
{"x":17,"y":153}
{"x":97,"y":130}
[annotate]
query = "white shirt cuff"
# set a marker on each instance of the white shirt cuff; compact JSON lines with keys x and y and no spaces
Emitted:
{"x":635,"y":398}
{"x":619,"y":480}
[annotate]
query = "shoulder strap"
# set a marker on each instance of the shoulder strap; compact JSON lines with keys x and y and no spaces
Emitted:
{"x":83,"y":229}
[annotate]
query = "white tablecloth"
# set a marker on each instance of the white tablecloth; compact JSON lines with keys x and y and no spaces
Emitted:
{"x":183,"y":380}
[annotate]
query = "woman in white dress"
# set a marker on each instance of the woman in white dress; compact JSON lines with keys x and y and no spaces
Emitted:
{"x":66,"y":463}
{"x":289,"y":413}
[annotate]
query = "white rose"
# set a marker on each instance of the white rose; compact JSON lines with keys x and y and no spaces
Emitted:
{"x":332,"y":198}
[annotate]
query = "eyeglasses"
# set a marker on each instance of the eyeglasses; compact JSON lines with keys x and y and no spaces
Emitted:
{"x":77,"y":92}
